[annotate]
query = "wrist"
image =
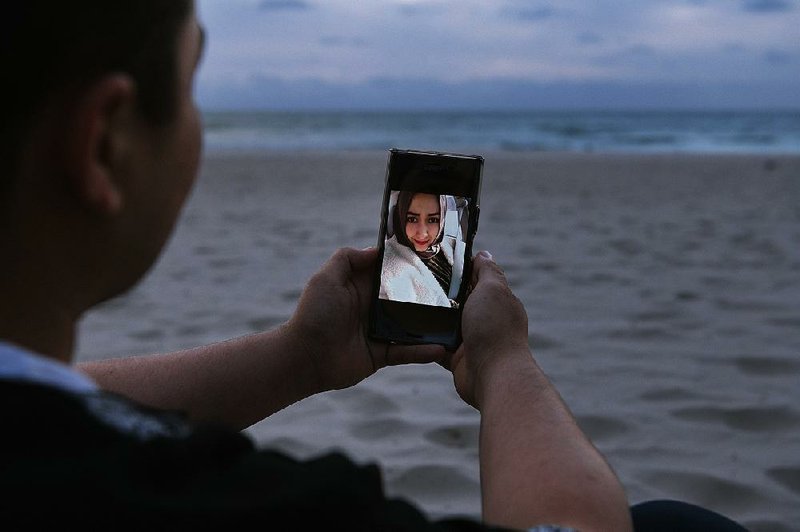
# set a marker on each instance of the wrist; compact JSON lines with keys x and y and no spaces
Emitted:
{"x":302,"y":354}
{"x":501,"y":374}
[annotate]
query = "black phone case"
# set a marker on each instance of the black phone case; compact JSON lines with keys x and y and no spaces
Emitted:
{"x":413,"y":323}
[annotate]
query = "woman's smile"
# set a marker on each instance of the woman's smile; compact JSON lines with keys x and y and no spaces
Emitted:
{"x":423,"y":243}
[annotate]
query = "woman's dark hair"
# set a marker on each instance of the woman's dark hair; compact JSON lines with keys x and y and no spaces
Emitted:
{"x":399,"y":217}
{"x":55,"y":48}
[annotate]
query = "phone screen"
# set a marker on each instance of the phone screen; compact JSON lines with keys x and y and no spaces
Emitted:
{"x":429,"y":217}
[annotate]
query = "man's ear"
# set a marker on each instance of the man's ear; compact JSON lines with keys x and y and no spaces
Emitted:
{"x":99,"y":141}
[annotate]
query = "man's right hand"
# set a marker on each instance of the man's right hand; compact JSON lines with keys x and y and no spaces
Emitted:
{"x":537,"y":467}
{"x":495,"y":328}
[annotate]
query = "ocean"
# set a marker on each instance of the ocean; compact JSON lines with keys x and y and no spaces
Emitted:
{"x":753,"y":132}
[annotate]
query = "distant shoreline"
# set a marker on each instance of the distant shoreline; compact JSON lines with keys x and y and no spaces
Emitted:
{"x":772,"y":132}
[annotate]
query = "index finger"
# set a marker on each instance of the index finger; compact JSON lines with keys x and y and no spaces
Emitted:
{"x":347,"y":261}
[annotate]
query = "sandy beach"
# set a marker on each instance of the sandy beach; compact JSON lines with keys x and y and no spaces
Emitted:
{"x":663,"y":294}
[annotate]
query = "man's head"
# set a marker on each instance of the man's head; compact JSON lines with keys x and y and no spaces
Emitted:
{"x":99,"y":145}
{"x":50,"y":50}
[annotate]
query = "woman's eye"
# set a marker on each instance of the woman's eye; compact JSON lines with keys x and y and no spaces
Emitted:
{"x":411,"y":219}
{"x":433,"y":220}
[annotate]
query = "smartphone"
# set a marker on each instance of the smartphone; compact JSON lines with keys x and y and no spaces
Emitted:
{"x":429,"y":218}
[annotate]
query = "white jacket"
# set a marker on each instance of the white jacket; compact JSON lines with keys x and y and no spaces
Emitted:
{"x":404,"y":277}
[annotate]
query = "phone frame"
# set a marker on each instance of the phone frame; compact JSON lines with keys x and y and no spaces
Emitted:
{"x":448,"y":173}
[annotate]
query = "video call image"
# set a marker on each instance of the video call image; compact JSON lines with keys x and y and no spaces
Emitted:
{"x":423,"y":259}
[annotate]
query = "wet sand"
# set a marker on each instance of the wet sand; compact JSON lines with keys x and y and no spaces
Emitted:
{"x":663,"y":294}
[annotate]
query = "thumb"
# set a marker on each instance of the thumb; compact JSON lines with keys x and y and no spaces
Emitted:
{"x":484,"y":267}
{"x":361,"y":258}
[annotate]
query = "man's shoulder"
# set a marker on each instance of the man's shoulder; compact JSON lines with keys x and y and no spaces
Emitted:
{"x":68,"y":449}
{"x":37,"y":412}
{"x":58,"y":449}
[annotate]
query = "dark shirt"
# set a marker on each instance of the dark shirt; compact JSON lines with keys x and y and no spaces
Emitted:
{"x":99,"y":461}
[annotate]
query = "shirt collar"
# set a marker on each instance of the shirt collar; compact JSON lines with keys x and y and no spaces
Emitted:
{"x":19,"y":364}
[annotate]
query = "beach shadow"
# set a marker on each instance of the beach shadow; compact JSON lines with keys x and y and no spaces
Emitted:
{"x":540,"y":342}
{"x":669,"y":394}
{"x":380,"y":429}
{"x":433,"y":481}
{"x":626,"y":247}
{"x":767,"y":525}
{"x":291,"y":296}
{"x":767,"y":366}
{"x":792,"y":323}
{"x":754,"y":419}
{"x":189,"y":331}
{"x":751,"y":305}
{"x":226,"y":263}
{"x":705,"y":489}
{"x":788,"y":477}
{"x":146,"y":335}
{"x":455,"y":436}
{"x":640,"y":332}
{"x":600,"y":428}
{"x":364,"y":402}
{"x":265,"y":323}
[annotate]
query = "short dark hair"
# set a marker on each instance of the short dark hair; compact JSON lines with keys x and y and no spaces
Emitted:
{"x":51,"y":47}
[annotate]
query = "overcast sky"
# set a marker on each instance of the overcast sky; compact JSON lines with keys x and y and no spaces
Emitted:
{"x":500,"y":54}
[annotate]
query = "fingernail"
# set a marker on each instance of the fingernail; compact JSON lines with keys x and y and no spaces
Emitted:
{"x":486,"y":254}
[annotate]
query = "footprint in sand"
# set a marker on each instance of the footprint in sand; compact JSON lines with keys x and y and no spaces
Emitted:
{"x":600,"y":428}
{"x":149,"y":334}
{"x":767,"y":366}
{"x":791,"y":322}
{"x":265,"y":323}
{"x":676,"y":393}
{"x":433,"y":481}
{"x":204,"y":251}
{"x":191,"y":330}
{"x":641,"y":332}
{"x":362,"y":401}
{"x":380,"y":428}
{"x":753,"y":419}
{"x":788,"y":477}
{"x":291,"y":295}
{"x":627,"y":247}
{"x":226,"y":263}
{"x":455,"y":436}
{"x":539,"y":342}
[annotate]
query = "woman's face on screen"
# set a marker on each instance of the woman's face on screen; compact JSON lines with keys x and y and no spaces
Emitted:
{"x":422,"y":221}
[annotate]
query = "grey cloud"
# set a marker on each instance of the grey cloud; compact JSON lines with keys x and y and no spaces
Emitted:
{"x":589,"y":37}
{"x":418,"y":9}
{"x":411,"y":10}
{"x":284,"y":5}
{"x":337,"y":41}
{"x":641,"y":55}
{"x":767,"y":6}
{"x":530,"y":13}
{"x":734,"y":48}
{"x":641,"y":50}
{"x":777,"y":57}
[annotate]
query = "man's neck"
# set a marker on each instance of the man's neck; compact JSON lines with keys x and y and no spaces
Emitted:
{"x":41,"y":328}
